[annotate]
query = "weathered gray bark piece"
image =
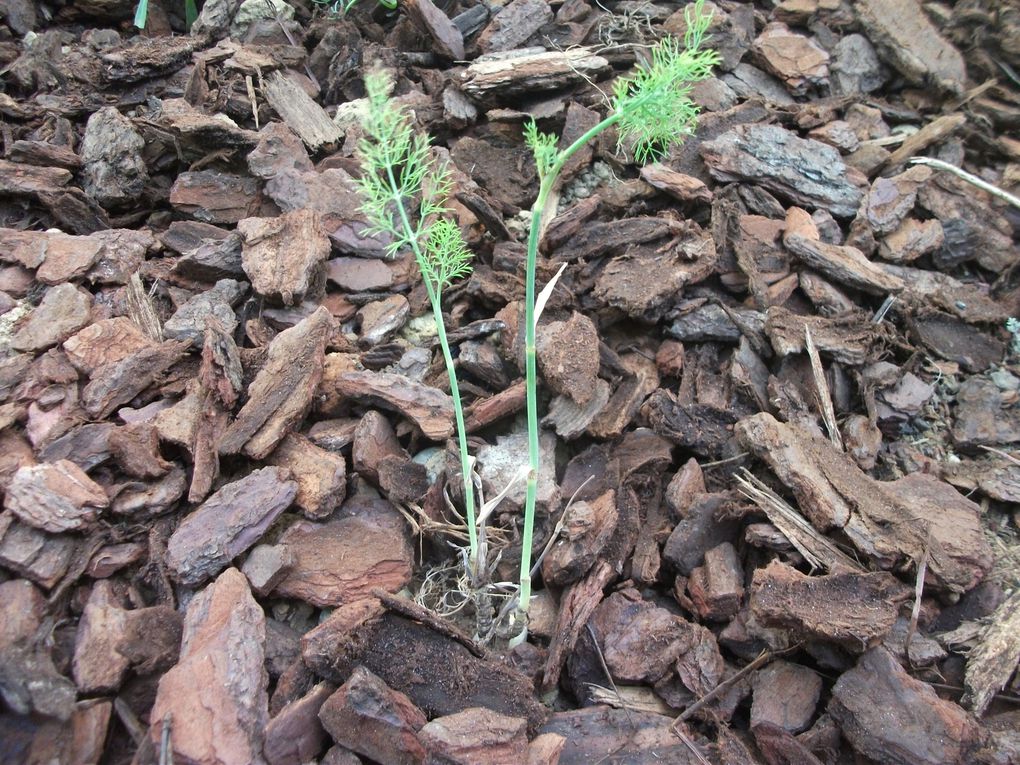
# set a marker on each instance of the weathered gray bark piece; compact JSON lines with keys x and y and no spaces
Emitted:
{"x":520,"y":72}
{"x":909,"y":41}
{"x":993,"y":661}
{"x":300,"y":112}
{"x":514,"y":24}
{"x":892,"y":523}
{"x":283,"y":256}
{"x":188,"y":323}
{"x":844,"y":264}
{"x":808,"y":172}
{"x":295,"y":735}
{"x":34,"y":554}
{"x":282,"y":392}
{"x":228,"y":523}
{"x":55,"y":497}
{"x":63,"y":311}
{"x":428,"y":408}
{"x":889,"y":716}
{"x":321,"y":475}
{"x":851,"y":339}
{"x":216,"y":695}
{"x":114,"y":172}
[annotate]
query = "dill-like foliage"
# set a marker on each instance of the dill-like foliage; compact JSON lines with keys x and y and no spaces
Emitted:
{"x":404,"y":190}
{"x":653,"y":105}
{"x":543,"y":146}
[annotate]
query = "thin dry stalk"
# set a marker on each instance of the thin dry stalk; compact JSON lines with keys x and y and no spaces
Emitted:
{"x":822,"y":391}
{"x":818,"y":550}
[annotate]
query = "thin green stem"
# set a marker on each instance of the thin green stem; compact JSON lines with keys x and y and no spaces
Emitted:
{"x":435,"y":295}
{"x":530,"y":359}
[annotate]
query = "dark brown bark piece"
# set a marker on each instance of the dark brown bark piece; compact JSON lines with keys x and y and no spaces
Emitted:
{"x":494,"y":408}
{"x":587,"y":529}
{"x":476,"y":735}
{"x":116,"y":383}
{"x":717,"y":586}
{"x":228,"y":523}
{"x":282,"y":392}
{"x":295,"y":735}
{"x":954,"y":340}
{"x":428,"y":408}
{"x":205,"y":130}
{"x":853,"y":610}
{"x":447,"y":37}
{"x":993,"y":660}
{"x":341,"y":561}
{"x":568,"y":355}
{"x":216,"y":694}
{"x":368,"y":717}
{"x":706,"y":430}
{"x":55,"y":497}
{"x":437,"y":673}
{"x":844,"y":264}
{"x":785,"y":694}
{"x":879,"y":518}
{"x":886,"y":714}
{"x":283,"y":256}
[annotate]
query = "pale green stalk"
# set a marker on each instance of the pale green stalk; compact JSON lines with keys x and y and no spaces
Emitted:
{"x":654,"y":107}
{"x":398,"y":169}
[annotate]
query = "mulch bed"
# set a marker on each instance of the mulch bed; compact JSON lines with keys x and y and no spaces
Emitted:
{"x":779,"y":389}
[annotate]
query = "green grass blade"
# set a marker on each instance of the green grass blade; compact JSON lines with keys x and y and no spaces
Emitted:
{"x":141,"y":13}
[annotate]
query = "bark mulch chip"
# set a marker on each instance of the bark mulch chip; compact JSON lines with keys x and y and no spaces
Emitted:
{"x":778,"y":389}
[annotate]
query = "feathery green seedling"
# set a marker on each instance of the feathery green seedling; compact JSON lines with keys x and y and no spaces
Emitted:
{"x":404,"y":194}
{"x":652,"y":108}
{"x":342,"y":7}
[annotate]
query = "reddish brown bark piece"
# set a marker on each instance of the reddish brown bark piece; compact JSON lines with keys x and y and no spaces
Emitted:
{"x":117,"y":382}
{"x":843,"y":264}
{"x":213,"y":197}
{"x":880,"y":519}
{"x":98,"y":666}
{"x":295,"y":735}
{"x":374,"y":441}
{"x":228,"y":523}
{"x":136,"y":450}
{"x":684,"y":486}
{"x":887,"y":715}
{"x":717,"y":587}
{"x":680,"y":186}
{"x":105,"y":342}
{"x":216,"y":695}
{"x":283,"y":256}
{"x":642,"y":642}
{"x":63,"y":311}
{"x":699,"y":530}
{"x":587,"y":529}
{"x":477,"y":736}
{"x":341,"y":561}
{"x":359,"y":274}
{"x":785,"y":694}
{"x":852,"y":610}
{"x":321,"y":475}
{"x":428,"y":408}
{"x":503,"y":404}
{"x":568,"y":355}
{"x":282,"y":392}
{"x":795,"y":59}
{"x":59,"y":257}
{"x":368,"y":717}
{"x":55,"y":497}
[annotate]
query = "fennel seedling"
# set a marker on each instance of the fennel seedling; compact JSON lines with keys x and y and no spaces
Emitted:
{"x":652,"y":108}
{"x":404,"y":194}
